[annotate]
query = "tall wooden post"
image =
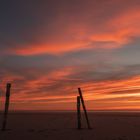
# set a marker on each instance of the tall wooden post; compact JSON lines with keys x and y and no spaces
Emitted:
{"x":6,"y":106}
{"x":84,"y":108}
{"x":78,"y":113}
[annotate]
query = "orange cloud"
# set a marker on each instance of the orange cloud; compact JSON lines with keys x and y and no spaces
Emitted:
{"x":102,"y":95}
{"x":75,"y":35}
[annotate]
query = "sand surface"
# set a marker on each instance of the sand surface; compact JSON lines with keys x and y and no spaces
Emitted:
{"x":63,"y":126}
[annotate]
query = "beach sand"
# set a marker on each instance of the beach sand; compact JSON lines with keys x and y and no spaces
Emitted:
{"x":63,"y":126}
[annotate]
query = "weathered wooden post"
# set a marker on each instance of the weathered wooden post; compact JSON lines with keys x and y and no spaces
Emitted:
{"x":84,"y":108}
{"x":78,"y":113}
{"x":6,"y":106}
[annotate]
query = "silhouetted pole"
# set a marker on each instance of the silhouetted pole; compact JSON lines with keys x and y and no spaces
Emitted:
{"x":78,"y":113}
{"x":6,"y":106}
{"x":84,"y":108}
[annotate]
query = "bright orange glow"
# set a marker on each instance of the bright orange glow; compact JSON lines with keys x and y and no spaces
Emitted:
{"x":118,"y":94}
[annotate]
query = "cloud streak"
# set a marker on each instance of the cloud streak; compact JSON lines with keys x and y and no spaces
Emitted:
{"x":60,"y":86}
{"x":70,"y":26}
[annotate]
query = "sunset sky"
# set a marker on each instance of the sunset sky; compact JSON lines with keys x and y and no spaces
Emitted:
{"x":49,"y":48}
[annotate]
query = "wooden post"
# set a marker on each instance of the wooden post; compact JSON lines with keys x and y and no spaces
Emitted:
{"x":84,"y":108}
{"x":6,"y":106}
{"x":78,"y":113}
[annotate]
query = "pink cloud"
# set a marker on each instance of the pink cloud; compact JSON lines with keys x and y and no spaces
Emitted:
{"x":71,"y":32}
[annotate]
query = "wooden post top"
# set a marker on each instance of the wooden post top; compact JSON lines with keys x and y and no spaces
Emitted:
{"x":8,"y":85}
{"x":8,"y":89}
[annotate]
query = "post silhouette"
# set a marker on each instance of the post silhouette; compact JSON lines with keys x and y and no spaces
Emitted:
{"x":84,"y":107}
{"x":78,"y":113}
{"x":8,"y":87}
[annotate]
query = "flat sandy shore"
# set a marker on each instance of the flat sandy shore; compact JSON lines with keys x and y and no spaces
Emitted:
{"x":63,"y":126}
